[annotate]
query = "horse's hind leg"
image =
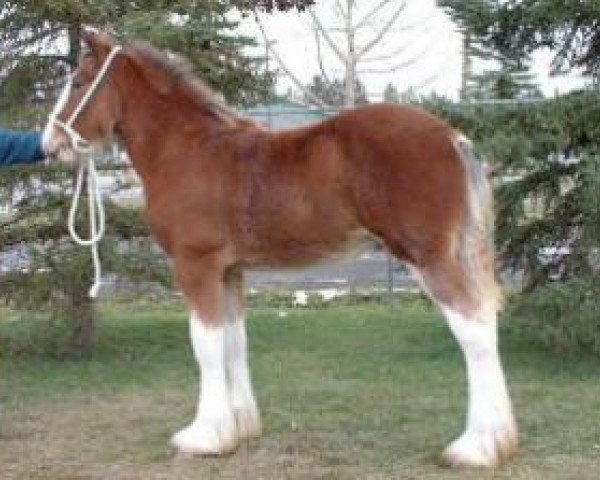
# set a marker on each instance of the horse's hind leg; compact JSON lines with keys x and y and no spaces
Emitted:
{"x":213,"y":431}
{"x":490,"y":434}
{"x":244,"y":406}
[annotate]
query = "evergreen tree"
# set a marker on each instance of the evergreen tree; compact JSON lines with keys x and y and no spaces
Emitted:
{"x":507,"y":81}
{"x":550,"y":147}
{"x":200,"y":30}
{"x":506,"y":74}
{"x":391,"y":94}
{"x":519,"y":27}
{"x":332,"y":93}
{"x":39,"y":43}
{"x":545,"y":158}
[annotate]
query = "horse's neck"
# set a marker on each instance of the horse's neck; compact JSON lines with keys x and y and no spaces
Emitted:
{"x":150,"y":126}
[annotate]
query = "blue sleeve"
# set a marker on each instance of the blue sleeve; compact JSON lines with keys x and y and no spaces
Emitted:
{"x":18,"y":148}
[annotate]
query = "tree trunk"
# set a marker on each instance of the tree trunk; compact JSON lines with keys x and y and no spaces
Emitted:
{"x":466,"y":67}
{"x":82,"y":315}
{"x":74,"y":33}
{"x":81,"y":309}
{"x":350,"y":81}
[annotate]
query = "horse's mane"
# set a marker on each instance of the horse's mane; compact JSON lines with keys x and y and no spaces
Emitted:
{"x":176,"y":74}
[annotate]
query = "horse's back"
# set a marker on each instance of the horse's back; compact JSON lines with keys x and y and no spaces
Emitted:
{"x":387,"y":117}
{"x":408,"y":179}
{"x":392,"y":170}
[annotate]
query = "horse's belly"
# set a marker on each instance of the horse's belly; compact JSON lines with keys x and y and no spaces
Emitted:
{"x":301,"y":251}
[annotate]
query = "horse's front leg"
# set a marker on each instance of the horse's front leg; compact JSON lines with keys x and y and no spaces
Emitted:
{"x":213,"y":430}
{"x":244,"y":406}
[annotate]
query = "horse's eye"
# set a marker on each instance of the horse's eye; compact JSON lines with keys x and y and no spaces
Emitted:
{"x":76,"y":84}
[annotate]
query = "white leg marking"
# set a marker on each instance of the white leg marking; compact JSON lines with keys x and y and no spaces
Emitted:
{"x":213,"y":431}
{"x":490,"y":434}
{"x":236,"y":356}
{"x":240,"y":387}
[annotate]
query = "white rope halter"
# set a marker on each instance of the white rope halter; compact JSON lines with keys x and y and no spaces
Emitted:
{"x":84,"y":149}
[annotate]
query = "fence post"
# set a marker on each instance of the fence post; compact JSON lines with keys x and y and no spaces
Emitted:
{"x":390,"y":281}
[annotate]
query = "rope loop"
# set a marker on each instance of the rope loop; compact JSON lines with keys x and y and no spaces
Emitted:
{"x":97,"y":216}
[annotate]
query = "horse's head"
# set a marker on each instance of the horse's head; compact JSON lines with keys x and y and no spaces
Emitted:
{"x":88,"y":109}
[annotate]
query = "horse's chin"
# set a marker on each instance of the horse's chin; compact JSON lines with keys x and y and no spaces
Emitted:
{"x":65,"y":155}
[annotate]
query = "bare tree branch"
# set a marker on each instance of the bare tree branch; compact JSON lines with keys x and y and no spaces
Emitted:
{"x":340,"y":8}
{"x":320,"y":57}
{"x":405,"y":63}
{"x":375,"y":9}
{"x":383,"y":31}
{"x":367,"y":53}
{"x":387,"y":56}
{"x":394,"y":68}
{"x":284,"y":67}
{"x":351,"y":59}
{"x":327,"y":37}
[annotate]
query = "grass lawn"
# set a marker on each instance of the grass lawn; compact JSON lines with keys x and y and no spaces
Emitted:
{"x":346,"y":393}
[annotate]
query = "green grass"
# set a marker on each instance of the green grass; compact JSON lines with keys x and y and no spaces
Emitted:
{"x":346,"y":393}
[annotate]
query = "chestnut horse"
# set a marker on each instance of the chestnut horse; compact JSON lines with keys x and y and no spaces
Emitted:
{"x":225,"y":194}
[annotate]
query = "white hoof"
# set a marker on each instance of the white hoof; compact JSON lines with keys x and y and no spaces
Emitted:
{"x":248,"y":421}
{"x":207,"y":437}
{"x":481,"y":449}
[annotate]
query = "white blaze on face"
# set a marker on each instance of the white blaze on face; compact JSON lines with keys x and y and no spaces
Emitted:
{"x":54,"y":141}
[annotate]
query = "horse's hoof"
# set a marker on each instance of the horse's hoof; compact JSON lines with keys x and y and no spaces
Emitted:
{"x":207,"y":437}
{"x":481,"y":449}
{"x":248,"y":422}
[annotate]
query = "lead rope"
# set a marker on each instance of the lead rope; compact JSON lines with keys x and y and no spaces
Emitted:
{"x":86,"y":158}
{"x":96,"y":212}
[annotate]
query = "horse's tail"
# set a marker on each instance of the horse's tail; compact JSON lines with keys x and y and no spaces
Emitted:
{"x":476,"y":239}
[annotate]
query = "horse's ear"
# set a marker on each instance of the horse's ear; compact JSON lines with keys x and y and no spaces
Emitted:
{"x":99,"y":43}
